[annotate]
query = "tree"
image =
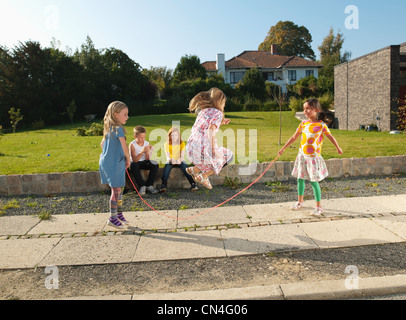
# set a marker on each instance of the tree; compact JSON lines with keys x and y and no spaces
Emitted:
{"x":124,"y":77}
{"x":96,"y":90}
{"x":291,"y":40}
{"x":189,"y":68}
{"x":41,"y":82}
{"x":15,"y":118}
{"x":253,"y":84}
{"x":330,"y":56}
{"x":161,"y":76}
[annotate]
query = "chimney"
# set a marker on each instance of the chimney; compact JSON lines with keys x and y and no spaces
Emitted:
{"x":274,"y":49}
{"x":221,"y":64}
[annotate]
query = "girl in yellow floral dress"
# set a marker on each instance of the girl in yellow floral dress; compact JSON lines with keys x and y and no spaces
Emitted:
{"x":309,"y":164}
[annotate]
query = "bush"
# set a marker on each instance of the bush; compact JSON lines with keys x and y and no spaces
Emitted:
{"x":252,"y":104}
{"x":272,"y":90}
{"x":296,"y":104}
{"x":306,"y":87}
{"x":176,"y":104}
{"x":234,"y":104}
{"x":95,"y":129}
{"x":272,"y":105}
{"x":253,"y":84}
{"x":402,"y":115}
{"x":38,"y":124}
{"x":81,"y":132}
{"x":327,"y":101}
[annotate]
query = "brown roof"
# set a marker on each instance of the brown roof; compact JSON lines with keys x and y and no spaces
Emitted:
{"x":237,"y":62}
{"x":263,"y":59}
{"x":210,"y":65}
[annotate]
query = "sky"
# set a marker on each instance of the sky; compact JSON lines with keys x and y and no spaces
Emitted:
{"x":160,"y":32}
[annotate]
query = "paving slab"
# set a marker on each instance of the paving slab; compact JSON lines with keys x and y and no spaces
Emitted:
{"x":265,"y":239}
{"x":276,"y":211}
{"x":71,"y":223}
{"x":17,"y":225}
{"x":92,"y":250}
{"x":392,"y":203}
{"x":396,"y":224}
{"x":218,"y":216}
{"x":180,"y":245}
{"x":348,"y":233}
{"x":149,"y":220}
{"x":369,"y":205}
{"x":24,"y":253}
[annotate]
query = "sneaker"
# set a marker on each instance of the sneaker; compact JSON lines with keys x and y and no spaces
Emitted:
{"x":297,"y":206}
{"x":143,"y":190}
{"x":152,"y":190}
{"x":163,"y":188}
{"x":114,"y":222}
{"x":194,"y":187}
{"x":317,"y":211}
{"x":120,"y":217}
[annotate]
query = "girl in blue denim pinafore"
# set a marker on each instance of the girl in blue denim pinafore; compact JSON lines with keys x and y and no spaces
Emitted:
{"x":115,"y":159}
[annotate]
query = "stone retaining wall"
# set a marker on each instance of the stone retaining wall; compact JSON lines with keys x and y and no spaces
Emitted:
{"x":80,"y":182}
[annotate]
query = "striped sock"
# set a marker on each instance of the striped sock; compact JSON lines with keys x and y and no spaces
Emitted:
{"x":113,"y":208}
{"x":115,"y":221}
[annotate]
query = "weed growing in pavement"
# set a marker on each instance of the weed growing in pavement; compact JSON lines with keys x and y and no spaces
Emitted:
{"x":45,"y":215}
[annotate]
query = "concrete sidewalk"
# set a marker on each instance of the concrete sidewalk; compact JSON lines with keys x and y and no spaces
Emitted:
{"x":27,"y":242}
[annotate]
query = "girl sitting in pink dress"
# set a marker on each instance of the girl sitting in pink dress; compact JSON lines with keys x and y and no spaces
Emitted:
{"x":202,"y":149}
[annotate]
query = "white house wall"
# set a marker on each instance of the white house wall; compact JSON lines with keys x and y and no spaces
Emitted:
{"x":300,"y":74}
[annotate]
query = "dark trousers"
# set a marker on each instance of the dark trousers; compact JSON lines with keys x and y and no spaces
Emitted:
{"x":168,"y":168}
{"x":136,"y":168}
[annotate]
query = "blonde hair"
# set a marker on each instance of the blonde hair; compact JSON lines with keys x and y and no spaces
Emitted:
{"x":110,"y":121}
{"x":139,"y":129}
{"x":214,"y":98}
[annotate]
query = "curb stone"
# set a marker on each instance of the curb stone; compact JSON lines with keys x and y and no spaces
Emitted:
{"x":322,"y":290}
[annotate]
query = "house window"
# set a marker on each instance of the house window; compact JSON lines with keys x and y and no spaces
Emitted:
{"x":292,"y":75}
{"x":270,"y":76}
{"x":309,"y":73}
{"x":235,"y":77}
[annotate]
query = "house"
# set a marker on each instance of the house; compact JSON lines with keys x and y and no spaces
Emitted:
{"x":278,"y":69}
{"x":368,"y":89}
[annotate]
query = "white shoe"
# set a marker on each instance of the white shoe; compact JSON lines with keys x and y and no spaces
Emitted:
{"x":123,"y":220}
{"x":118,"y":225}
{"x":297,"y":206}
{"x":143,"y":190}
{"x":317,"y":211}
{"x":152,"y":190}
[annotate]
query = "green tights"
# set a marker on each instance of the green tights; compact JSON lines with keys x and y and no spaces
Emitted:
{"x":315,"y":186}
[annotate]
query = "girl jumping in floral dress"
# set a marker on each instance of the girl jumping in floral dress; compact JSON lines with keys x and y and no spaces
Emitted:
{"x":202,"y":149}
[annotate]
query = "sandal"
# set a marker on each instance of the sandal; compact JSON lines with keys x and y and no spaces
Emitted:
{"x":205,"y":182}
{"x":193,"y":175}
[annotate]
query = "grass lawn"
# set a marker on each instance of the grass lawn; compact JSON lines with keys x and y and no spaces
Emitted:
{"x":27,"y":152}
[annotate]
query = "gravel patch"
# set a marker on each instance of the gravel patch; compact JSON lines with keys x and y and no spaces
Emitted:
{"x":180,"y":199}
{"x":204,"y":274}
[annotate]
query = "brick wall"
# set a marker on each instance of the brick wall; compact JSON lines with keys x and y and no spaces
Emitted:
{"x":366,"y":86}
{"x":83,"y":182}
